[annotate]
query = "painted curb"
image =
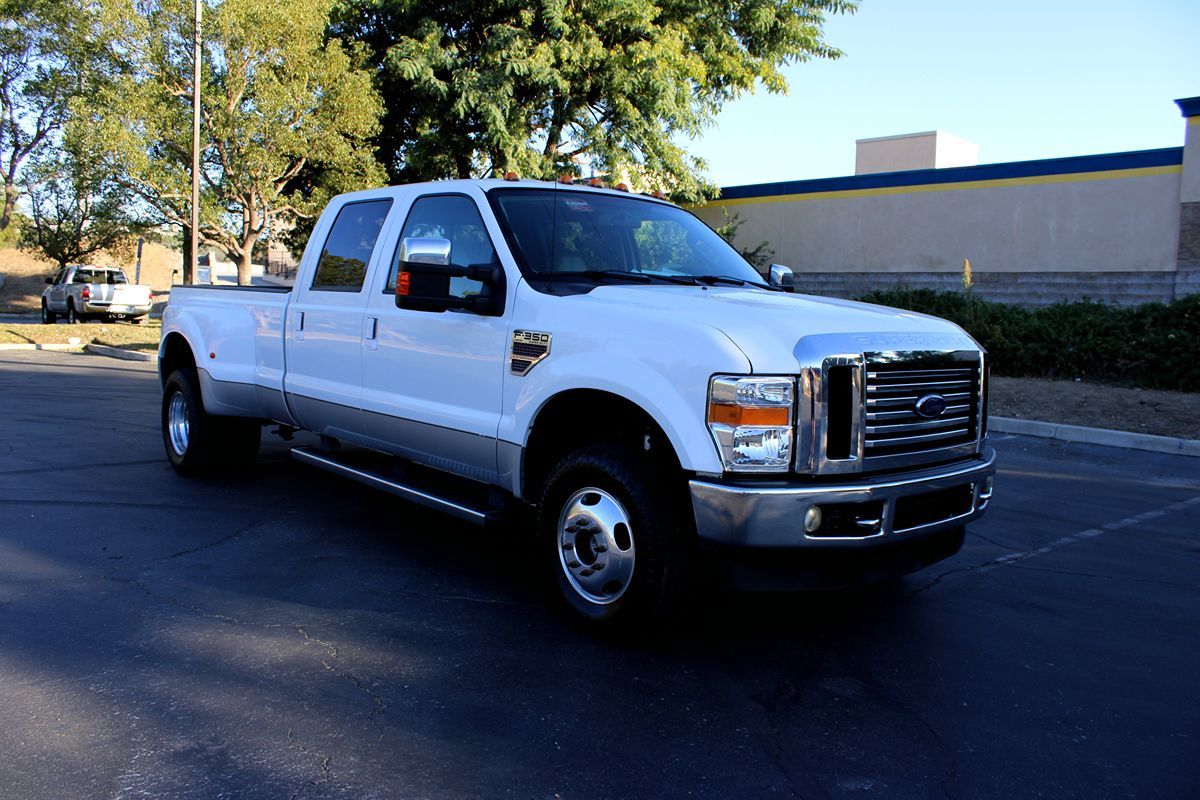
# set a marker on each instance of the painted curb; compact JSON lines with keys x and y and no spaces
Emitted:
{"x":117,"y":352}
{"x":1101,"y":436}
{"x":58,"y":347}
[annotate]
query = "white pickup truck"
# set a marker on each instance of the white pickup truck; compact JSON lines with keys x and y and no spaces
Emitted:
{"x":601,"y":369}
{"x":80,"y":293}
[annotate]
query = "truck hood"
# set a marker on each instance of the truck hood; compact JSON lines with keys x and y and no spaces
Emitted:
{"x":780,"y":332}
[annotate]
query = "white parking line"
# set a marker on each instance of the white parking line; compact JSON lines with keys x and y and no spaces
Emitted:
{"x":1090,"y":533}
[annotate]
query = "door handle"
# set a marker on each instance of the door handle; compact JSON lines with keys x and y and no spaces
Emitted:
{"x":370,"y":332}
{"x":299,"y":326}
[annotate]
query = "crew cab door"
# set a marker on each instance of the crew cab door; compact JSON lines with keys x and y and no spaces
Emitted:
{"x":323,"y":378}
{"x":432,"y":381}
{"x":56,"y":299}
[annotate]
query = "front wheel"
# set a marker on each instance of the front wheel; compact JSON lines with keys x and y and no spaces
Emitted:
{"x":48,"y":316}
{"x":196,"y":441}
{"x":616,"y":545}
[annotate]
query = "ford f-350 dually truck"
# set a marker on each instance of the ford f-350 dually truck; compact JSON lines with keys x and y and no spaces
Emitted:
{"x":604,"y":365}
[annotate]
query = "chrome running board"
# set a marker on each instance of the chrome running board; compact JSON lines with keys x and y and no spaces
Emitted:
{"x":421,"y":497}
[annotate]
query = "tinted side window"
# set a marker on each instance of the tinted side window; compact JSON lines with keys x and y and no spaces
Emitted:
{"x":343,"y":263}
{"x":456,"y":218}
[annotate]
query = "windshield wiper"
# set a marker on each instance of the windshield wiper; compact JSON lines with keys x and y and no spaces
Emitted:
{"x":727,"y":279}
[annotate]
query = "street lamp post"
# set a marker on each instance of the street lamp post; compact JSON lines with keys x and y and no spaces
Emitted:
{"x":193,"y":258}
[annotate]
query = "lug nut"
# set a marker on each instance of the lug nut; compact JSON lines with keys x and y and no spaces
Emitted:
{"x":568,"y":546}
{"x":572,"y":564}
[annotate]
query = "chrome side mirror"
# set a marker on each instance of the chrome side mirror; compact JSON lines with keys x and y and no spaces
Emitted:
{"x":781,"y":277}
{"x":423,"y":280}
{"x":425,"y":250}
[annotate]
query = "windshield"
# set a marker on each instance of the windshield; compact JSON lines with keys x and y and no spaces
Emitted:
{"x":585,"y":234}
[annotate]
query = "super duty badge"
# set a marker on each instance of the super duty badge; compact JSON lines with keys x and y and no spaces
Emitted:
{"x":527,"y":349}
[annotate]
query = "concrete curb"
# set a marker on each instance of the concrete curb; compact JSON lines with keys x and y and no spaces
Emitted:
{"x":59,"y":347}
{"x":117,"y":352}
{"x":1101,"y":436}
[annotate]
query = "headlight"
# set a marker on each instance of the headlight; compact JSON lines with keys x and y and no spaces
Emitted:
{"x":751,"y":422}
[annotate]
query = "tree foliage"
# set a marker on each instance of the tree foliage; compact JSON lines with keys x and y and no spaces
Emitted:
{"x":485,"y":86}
{"x":286,"y":115}
{"x":46,"y":52}
{"x":759,"y":256}
{"x":76,"y":209}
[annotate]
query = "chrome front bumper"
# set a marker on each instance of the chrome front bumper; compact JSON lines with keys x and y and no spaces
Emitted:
{"x":746,"y":515}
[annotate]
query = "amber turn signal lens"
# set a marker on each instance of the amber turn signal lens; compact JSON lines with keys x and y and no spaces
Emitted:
{"x":734,"y":416}
{"x":402,"y":283}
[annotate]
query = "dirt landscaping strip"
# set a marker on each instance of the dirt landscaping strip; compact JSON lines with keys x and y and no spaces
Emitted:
{"x":1095,"y":405}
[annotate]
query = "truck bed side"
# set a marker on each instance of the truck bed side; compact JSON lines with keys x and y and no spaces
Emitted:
{"x":235,"y":335}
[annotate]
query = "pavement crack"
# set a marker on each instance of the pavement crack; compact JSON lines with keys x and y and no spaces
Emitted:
{"x":1106,"y":577}
{"x":217,"y":543}
{"x":332,"y":664}
{"x":323,"y":761}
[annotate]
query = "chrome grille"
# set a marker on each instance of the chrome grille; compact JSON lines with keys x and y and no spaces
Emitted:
{"x":892,"y":425}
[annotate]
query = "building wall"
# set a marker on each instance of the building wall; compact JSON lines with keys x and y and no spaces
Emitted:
{"x":1106,"y":227}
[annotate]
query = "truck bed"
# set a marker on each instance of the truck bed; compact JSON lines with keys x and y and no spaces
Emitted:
{"x":236,"y":334}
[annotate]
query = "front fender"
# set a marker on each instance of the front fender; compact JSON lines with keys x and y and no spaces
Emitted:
{"x":666,"y":377}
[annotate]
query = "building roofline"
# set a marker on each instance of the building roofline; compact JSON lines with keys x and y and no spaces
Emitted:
{"x":1189,"y":106}
{"x":1135,"y":159}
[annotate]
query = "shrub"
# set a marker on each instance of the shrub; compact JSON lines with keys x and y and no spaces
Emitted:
{"x":1156,"y":345}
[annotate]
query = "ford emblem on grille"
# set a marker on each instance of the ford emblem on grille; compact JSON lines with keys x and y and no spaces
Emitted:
{"x":931,"y":406}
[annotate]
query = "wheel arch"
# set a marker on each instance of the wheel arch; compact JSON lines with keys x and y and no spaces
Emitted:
{"x":579,"y":417}
{"x":174,"y":353}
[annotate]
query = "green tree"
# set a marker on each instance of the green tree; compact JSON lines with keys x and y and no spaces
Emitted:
{"x":45,"y":60}
{"x":486,"y":86}
{"x":76,"y":209}
{"x":286,"y":115}
{"x":759,"y":256}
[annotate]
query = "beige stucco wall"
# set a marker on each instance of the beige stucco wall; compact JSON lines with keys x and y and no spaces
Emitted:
{"x":1060,"y":223}
{"x":927,"y":150}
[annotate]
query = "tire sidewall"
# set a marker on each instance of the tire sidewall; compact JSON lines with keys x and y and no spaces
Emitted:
{"x":656,"y":538}
{"x":193,"y":460}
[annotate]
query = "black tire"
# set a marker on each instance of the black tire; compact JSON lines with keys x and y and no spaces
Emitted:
{"x":72,"y":316}
{"x":660,"y":536}
{"x":208,"y":442}
{"x":48,"y":316}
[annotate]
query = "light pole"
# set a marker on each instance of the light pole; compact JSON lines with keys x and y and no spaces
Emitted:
{"x":193,"y":258}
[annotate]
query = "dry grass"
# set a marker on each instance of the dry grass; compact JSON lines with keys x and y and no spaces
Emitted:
{"x":25,"y":274}
{"x":130,"y":337}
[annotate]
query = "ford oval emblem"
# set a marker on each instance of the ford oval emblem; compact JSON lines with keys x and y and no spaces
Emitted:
{"x":931,"y":406}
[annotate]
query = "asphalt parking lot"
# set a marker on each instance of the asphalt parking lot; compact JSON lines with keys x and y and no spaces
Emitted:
{"x":286,"y":634}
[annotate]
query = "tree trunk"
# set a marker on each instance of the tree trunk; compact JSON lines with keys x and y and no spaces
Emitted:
{"x":10,"y":203}
{"x":245,"y":262}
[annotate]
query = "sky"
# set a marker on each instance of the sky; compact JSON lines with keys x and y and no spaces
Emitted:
{"x":1023,"y":79}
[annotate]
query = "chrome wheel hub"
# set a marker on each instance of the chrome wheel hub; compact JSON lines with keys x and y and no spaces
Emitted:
{"x":595,"y":545}
{"x":177,"y":424}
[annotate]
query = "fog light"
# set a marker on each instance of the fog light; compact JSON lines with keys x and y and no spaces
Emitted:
{"x":812,"y":519}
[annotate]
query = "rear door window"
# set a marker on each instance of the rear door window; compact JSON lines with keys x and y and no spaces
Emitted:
{"x":347,"y":253}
